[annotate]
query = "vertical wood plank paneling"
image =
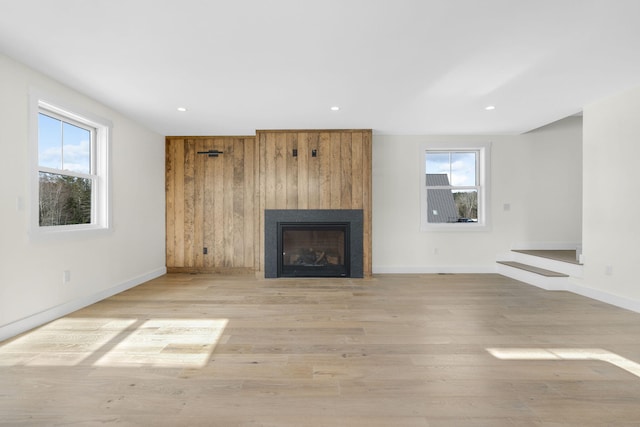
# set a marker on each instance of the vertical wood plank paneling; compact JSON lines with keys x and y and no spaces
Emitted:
{"x":219,"y":203}
{"x":304,"y":156}
{"x":314,"y":171}
{"x":260,"y":179}
{"x":270,"y":171}
{"x":189,"y":202}
{"x":229,"y":195}
{"x":179,"y":203}
{"x":346,"y":172}
{"x":336,"y":171}
{"x":209,"y":204}
{"x":170,"y":212}
{"x":249,"y":203}
{"x":238,"y":202}
{"x":292,"y":170}
{"x":366,"y":198}
{"x":324,"y":172}
{"x":198,"y":208}
{"x":281,"y":171}
{"x":357,"y":174}
{"x":217,"y":166}
{"x":338,"y":178}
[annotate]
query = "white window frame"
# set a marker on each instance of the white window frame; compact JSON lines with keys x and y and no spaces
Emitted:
{"x":483,"y":165}
{"x":100,"y":163}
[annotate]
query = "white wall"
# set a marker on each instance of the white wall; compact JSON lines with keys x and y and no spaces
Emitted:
{"x":538,"y":174}
{"x":611,"y":229}
{"x":31,"y":288}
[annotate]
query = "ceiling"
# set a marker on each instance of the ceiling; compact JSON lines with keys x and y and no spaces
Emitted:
{"x":396,"y":66}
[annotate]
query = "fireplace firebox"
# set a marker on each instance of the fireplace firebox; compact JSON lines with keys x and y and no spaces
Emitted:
{"x":313,"y":250}
{"x":313,"y":243}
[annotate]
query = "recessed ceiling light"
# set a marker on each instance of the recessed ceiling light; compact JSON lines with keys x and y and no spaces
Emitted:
{"x":490,"y":107}
{"x":182,"y":109}
{"x":335,"y":108}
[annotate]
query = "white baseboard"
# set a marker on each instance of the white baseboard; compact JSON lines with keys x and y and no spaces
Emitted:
{"x":604,"y":297}
{"x":454,"y":269}
{"x":38,"y":319}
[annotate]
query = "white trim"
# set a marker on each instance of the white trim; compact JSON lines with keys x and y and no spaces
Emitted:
{"x":604,"y":297}
{"x":484,"y":193}
{"x":38,"y":319}
{"x":453,"y":269}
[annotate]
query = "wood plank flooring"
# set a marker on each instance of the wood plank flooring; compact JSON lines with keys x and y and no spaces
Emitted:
{"x":394,"y":350}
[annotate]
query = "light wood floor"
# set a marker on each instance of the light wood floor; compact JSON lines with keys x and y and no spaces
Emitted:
{"x":395,"y":350}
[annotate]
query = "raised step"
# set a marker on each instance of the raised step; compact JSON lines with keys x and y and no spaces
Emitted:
{"x":558,"y":261}
{"x":548,"y":269}
{"x":549,"y":280}
{"x":533,"y":269}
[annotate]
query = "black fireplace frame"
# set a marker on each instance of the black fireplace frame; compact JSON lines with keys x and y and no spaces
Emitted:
{"x":273,"y":218}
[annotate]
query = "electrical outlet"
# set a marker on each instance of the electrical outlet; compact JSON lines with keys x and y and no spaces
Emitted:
{"x":608,"y":270}
{"x":205,"y":251}
{"x":66,"y":276}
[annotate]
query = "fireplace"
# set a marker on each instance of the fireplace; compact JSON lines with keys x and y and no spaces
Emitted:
{"x":313,"y":249}
{"x":313,"y":243}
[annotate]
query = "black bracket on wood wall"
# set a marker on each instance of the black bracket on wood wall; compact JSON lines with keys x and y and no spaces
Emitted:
{"x":211,"y":153}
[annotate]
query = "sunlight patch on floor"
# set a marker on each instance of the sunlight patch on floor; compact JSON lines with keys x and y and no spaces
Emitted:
{"x":566,"y":354}
{"x":117,"y":342}
{"x":167,"y":343}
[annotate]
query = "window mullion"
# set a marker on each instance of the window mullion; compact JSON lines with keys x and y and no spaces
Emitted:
{"x":62,"y":144}
{"x":65,"y":172}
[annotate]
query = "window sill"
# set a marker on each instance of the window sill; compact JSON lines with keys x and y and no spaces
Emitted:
{"x":68,"y":232}
{"x":455,"y":227}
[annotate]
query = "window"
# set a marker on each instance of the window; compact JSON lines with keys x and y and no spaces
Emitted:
{"x":66,"y":171}
{"x":70,"y":170}
{"x":455,"y":190}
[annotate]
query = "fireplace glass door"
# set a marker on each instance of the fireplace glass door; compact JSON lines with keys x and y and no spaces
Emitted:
{"x":313,"y":250}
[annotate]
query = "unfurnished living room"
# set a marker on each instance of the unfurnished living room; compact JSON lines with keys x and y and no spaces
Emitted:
{"x":319,"y":213}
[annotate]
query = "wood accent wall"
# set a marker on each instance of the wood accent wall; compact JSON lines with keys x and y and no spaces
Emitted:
{"x":210,"y":203}
{"x":218,"y":203}
{"x":338,"y":177}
